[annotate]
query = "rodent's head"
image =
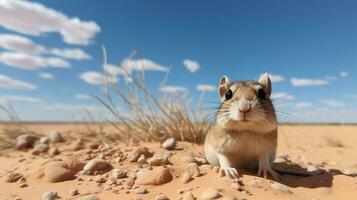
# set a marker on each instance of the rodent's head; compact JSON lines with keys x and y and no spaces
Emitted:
{"x":246,"y":105}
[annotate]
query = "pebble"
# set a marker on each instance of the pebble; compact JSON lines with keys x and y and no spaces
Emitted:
{"x":169,"y":144}
{"x":89,"y":197}
{"x":188,"y":196}
{"x":186,"y":177}
{"x":13,"y":177}
{"x":210,"y":193}
{"x":142,"y":159}
{"x":159,"y":159}
{"x":230,"y":198}
{"x":44,"y":140}
{"x":25,"y":141}
{"x":100,"y":179}
{"x":280,"y":188}
{"x":55,"y":136}
{"x":157,"y":176}
{"x":140,"y":190}
{"x":313,"y":170}
{"x":40,"y":148}
{"x":58,"y":172}
{"x":130,"y":182}
{"x":22,"y":185}
{"x":53,"y":151}
{"x":161,"y":197}
{"x":193,"y":170}
{"x":73,"y":192}
{"x":138,"y":152}
{"x":96,"y":166}
{"x":49,"y":196}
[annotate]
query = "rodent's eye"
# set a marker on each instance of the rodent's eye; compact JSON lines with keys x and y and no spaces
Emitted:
{"x":229,"y":94}
{"x":261,"y":94}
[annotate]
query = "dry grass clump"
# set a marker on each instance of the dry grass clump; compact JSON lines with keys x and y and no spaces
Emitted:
{"x":12,"y":129}
{"x":143,"y":116}
{"x":334,"y":142}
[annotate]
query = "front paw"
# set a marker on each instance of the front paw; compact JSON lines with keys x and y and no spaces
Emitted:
{"x":264,"y":171}
{"x":230,"y":172}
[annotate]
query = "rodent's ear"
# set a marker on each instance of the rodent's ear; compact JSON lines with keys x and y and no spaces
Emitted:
{"x":223,"y":86}
{"x":266,"y":83}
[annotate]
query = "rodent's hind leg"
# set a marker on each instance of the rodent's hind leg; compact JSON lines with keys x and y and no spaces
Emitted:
{"x":226,"y":168}
{"x":265,"y":168}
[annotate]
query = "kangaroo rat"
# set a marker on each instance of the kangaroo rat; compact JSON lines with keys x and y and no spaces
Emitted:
{"x":244,"y":134}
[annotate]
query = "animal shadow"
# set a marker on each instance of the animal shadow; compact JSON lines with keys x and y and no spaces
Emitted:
{"x":293,"y":175}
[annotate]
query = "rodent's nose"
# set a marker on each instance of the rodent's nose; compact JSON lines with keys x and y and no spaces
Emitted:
{"x":245,"y":109}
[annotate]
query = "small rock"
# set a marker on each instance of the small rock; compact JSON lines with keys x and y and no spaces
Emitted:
{"x":142,"y":159}
{"x":55,"y":136}
{"x":159,"y":159}
{"x":138,"y":152}
{"x":280,"y":187}
{"x":25,"y":141}
{"x":111,"y":181}
{"x":53,"y":151}
{"x":119,"y":173}
{"x":130,"y":182}
{"x":188,"y":196}
{"x":94,"y":146}
{"x":101,"y":179}
{"x":140,"y":190}
{"x":237,"y":186}
{"x":58,"y":172}
{"x":186,"y":177}
{"x":40,"y":148}
{"x":157,"y":176}
{"x":96,"y":166}
{"x":193,"y":170}
{"x":73,"y":192}
{"x":49,"y":196}
{"x":161,"y":197}
{"x":13,"y":177}
{"x":44,"y":140}
{"x":169,"y":144}
{"x":74,"y":165}
{"x":22,"y":185}
{"x":313,"y":170}
{"x":89,"y":197}
{"x":210,"y":193}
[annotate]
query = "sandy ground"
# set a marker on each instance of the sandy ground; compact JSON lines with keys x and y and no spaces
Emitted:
{"x":331,"y":149}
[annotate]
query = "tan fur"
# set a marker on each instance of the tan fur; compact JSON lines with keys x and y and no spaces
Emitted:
{"x":243,"y":144}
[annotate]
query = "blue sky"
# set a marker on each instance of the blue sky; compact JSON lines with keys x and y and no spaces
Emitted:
{"x":50,"y":51}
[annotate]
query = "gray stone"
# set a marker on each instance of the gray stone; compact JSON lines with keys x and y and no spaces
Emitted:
{"x":169,"y":144}
{"x":49,"y":196}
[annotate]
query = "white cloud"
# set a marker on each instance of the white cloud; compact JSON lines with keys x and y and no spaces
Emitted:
{"x":301,"y":82}
{"x":173,"y":89}
{"x":96,"y":78}
{"x":70,"y":107}
{"x":130,"y":65}
{"x":333,"y":103}
{"x":35,"y":19}
{"x":10,"y":83}
{"x":191,"y":65}
{"x":276,"y":78}
{"x":206,"y":87}
{"x":76,"y":53}
{"x":31,"y":62}
{"x":115,"y":70}
{"x":282,"y":96}
{"x":303,"y":104}
{"x":344,"y":74}
{"x":46,"y":75}
{"x":19,"y":43}
{"x":19,"y":98}
{"x":83,"y":97}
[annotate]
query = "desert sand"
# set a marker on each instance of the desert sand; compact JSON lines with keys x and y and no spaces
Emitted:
{"x":323,"y":157}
